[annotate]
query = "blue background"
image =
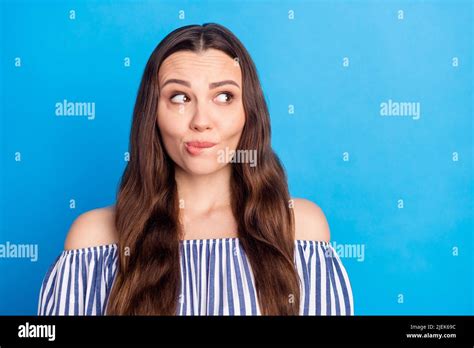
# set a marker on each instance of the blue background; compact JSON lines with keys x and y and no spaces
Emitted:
{"x":408,"y":251}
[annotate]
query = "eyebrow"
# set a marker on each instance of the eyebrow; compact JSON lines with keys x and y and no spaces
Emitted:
{"x":211,"y":85}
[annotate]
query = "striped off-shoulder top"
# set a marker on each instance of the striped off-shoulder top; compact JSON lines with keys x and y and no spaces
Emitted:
{"x":216,"y":279}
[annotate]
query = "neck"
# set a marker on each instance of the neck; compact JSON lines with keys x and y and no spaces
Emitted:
{"x":203,"y":193}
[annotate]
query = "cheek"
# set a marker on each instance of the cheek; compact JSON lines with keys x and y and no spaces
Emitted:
{"x":171,"y":129}
{"x":232,"y":127}
{"x":170,"y":121}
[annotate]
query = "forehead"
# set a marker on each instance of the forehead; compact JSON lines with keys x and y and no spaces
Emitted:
{"x":210,"y":63}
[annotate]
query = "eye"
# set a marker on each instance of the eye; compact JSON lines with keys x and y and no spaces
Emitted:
{"x":179,"y":98}
{"x":225,"y":97}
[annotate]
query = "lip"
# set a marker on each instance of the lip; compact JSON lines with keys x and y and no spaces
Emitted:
{"x":196,"y":147}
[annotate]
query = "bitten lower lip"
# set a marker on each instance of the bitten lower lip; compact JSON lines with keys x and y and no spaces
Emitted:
{"x":196,"y":147}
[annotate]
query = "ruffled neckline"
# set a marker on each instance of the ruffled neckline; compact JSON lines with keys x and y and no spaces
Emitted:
{"x":185,"y":242}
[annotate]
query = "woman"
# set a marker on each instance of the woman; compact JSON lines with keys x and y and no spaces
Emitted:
{"x":194,"y":231}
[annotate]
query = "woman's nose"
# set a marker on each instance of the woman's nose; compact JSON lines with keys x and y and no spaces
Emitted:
{"x":201,"y":119}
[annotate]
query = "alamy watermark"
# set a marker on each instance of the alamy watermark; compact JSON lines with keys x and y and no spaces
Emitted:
{"x":356,"y":251}
{"x":237,"y":156}
{"x":25,"y":251}
{"x":67,"y":108}
{"x":37,"y":331}
{"x":402,"y":109}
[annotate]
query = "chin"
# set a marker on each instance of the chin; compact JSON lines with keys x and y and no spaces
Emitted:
{"x":202,"y":167}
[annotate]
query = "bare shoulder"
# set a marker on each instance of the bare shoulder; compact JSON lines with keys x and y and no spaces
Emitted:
{"x":310,"y":221}
{"x":92,"y":228}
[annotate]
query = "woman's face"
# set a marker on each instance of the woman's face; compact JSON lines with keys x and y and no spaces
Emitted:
{"x":200,"y":109}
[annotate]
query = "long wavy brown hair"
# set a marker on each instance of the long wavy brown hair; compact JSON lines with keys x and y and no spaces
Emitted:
{"x":147,"y":209}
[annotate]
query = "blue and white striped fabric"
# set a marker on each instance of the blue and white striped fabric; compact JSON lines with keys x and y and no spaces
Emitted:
{"x":216,"y":279}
